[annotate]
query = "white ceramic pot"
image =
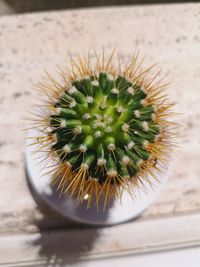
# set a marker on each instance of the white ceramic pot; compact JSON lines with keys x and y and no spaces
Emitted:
{"x":116,"y":212}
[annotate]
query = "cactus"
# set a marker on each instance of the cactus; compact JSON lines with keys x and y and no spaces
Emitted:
{"x":104,"y":126}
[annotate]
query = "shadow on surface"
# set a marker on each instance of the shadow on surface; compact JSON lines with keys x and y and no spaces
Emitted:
{"x":59,"y":240}
{"x":61,"y":247}
{"x":21,"y":6}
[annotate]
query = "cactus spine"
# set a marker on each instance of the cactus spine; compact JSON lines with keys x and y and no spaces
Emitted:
{"x":105,"y":126}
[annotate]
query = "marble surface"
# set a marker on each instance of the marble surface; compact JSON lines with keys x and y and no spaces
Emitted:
{"x":169,"y":35}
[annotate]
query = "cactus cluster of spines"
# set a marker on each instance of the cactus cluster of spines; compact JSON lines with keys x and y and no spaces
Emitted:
{"x":106,"y":128}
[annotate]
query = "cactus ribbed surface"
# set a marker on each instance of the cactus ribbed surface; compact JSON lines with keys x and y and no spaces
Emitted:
{"x":105,"y":127}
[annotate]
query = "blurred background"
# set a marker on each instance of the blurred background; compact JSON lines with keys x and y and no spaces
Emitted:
{"x":21,"y":6}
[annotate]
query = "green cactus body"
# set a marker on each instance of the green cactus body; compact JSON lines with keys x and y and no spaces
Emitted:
{"x":106,"y":127}
{"x":102,"y":121}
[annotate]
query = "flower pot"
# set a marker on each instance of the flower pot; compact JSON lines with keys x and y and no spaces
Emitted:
{"x":116,"y":211}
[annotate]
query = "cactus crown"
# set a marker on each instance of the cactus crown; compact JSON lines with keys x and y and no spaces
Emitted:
{"x":106,"y":127}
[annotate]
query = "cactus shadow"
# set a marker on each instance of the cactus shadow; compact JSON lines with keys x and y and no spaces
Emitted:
{"x":60,"y":241}
{"x":63,"y":247}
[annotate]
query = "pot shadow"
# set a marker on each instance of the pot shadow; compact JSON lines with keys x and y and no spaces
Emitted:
{"x":61,"y":241}
{"x":57,"y":248}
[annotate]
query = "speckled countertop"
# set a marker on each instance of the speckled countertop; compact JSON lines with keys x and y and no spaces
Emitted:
{"x":169,"y":35}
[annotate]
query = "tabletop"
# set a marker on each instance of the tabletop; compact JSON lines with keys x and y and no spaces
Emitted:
{"x":166,"y":34}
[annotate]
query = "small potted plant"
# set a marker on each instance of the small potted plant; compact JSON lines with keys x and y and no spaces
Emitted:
{"x":103,"y":135}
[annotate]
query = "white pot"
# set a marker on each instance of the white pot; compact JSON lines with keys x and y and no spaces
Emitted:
{"x":115,"y":212}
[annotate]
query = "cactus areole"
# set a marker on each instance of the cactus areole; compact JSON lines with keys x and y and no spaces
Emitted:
{"x":105,"y":126}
